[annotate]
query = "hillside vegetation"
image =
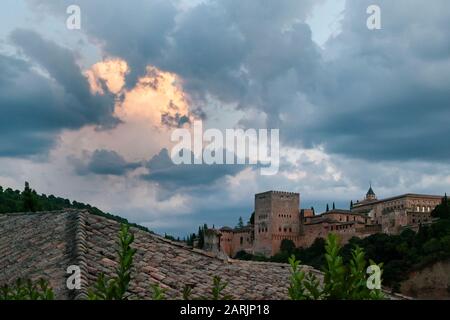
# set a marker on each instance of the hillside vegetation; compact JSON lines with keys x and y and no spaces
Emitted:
{"x":29,"y":200}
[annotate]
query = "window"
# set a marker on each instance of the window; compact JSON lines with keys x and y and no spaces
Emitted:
{"x":242,"y":240}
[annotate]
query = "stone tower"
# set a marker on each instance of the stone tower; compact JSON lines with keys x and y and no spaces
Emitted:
{"x":277,"y":217}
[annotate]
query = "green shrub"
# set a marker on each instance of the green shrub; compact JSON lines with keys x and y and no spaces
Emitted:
{"x":341,"y":281}
{"x":115,"y":288}
{"x":27,"y":290}
{"x":158,"y":293}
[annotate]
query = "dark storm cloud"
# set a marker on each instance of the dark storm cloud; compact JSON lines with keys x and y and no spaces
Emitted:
{"x":136,"y":30}
{"x":170,"y":176}
{"x":103,"y":162}
{"x":386,"y":93}
{"x":34,"y":108}
{"x":380,"y":94}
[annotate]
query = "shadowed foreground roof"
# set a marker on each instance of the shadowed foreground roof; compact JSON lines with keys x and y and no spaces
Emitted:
{"x":43,"y":245}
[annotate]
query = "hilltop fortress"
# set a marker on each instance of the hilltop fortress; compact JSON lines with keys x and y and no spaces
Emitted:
{"x":278,"y":216}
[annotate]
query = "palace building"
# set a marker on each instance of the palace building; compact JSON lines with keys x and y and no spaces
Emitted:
{"x":278,"y":216}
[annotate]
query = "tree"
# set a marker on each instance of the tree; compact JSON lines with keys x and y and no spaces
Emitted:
{"x":240,"y":223}
{"x":328,"y":208}
{"x":252,"y":219}
{"x":334,"y":206}
{"x":201,"y":238}
{"x":442,"y":211}
{"x":287,"y":246}
{"x":351,"y":204}
{"x":29,"y":199}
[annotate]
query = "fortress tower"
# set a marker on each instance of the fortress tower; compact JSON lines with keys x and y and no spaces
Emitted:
{"x":277,"y":217}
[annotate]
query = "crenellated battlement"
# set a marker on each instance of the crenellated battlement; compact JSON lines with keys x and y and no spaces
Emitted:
{"x":274,"y":192}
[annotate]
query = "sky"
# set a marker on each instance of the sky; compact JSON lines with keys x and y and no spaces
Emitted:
{"x":87,"y":114}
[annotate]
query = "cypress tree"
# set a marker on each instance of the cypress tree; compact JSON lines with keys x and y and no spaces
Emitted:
{"x":28,"y":199}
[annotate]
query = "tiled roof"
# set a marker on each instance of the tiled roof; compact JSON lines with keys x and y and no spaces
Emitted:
{"x":43,"y":245}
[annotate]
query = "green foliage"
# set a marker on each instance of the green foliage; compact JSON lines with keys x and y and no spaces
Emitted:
{"x":29,"y":201}
{"x":341,"y":281}
{"x":252,"y":218}
{"x":116,"y":287}
{"x":158,"y":293}
{"x":443,"y":210}
{"x":334,"y":269}
{"x":190,"y":239}
{"x":302,"y":287}
{"x":240,"y":223}
{"x":27,"y":290}
{"x":243,"y":255}
{"x":187,"y":292}
{"x":217,"y":290}
{"x":200,"y":236}
{"x":287,"y":246}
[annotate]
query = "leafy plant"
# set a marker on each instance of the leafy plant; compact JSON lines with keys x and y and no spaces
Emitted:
{"x":218,"y":287}
{"x":217,"y":290}
{"x":341,"y":281}
{"x":27,"y":290}
{"x":187,"y":292}
{"x":158,"y":293}
{"x":115,"y":288}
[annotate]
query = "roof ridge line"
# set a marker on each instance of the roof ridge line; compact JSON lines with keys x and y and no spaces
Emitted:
{"x":189,"y":249}
{"x":80,"y":248}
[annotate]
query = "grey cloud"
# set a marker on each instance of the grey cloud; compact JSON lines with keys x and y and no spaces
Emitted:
{"x":136,"y":31}
{"x":170,"y":176}
{"x":61,"y":66}
{"x":376,"y":95}
{"x":36,"y":108}
{"x":383,"y":97}
{"x":103,"y":162}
